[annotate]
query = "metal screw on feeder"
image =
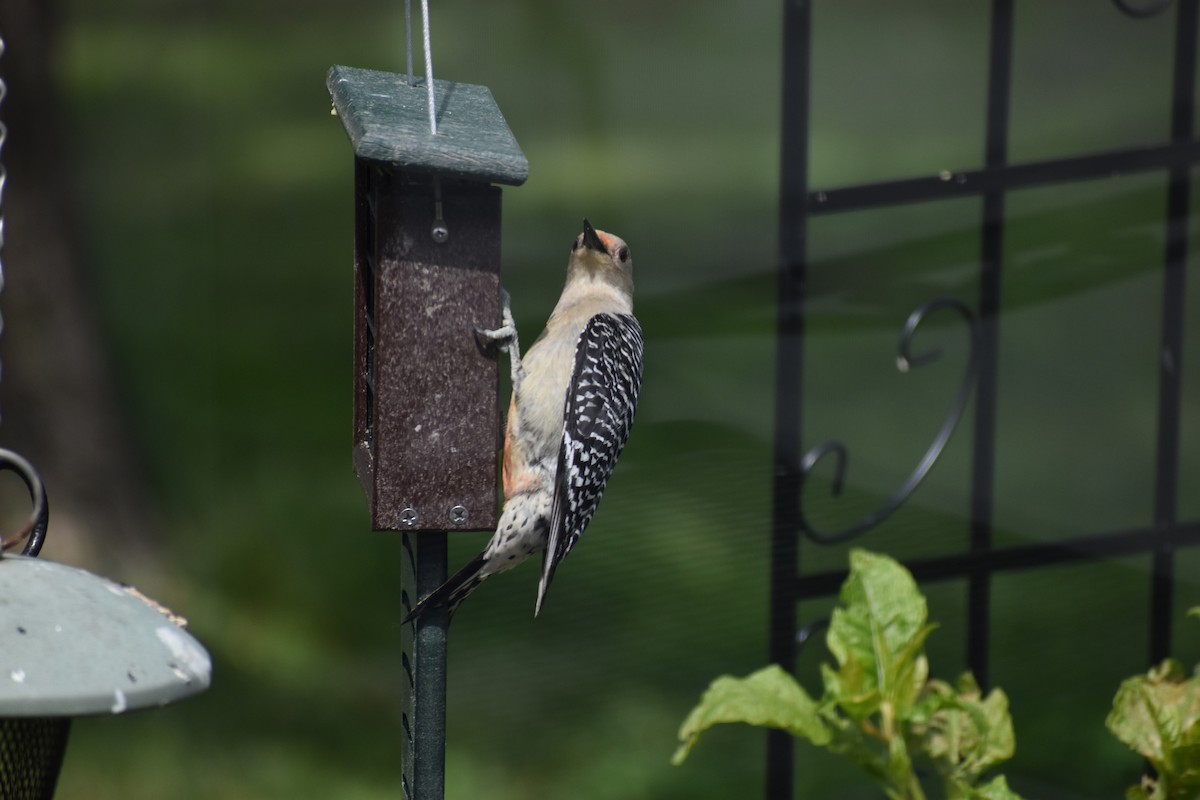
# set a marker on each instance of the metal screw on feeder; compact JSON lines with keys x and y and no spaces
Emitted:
{"x":440,"y":232}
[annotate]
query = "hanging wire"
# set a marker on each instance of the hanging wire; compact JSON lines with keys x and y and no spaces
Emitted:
{"x":428,"y":43}
{"x":408,"y":38}
{"x":429,"y":68}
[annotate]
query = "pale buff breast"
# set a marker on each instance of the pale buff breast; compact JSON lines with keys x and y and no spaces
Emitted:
{"x":535,"y":416}
{"x":539,"y":408}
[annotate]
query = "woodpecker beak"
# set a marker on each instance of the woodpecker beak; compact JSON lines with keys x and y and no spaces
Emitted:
{"x":591,"y":239}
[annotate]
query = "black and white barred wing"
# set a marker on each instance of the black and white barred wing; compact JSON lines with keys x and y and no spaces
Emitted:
{"x":600,"y":403}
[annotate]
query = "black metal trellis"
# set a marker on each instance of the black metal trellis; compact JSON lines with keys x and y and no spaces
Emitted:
{"x":980,"y":561}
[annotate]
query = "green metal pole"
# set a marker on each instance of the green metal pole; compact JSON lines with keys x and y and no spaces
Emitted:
{"x":423,"y":658}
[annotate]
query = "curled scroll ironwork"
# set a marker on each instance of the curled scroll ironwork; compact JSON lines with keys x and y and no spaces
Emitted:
{"x":904,"y":361}
{"x":1142,"y":10}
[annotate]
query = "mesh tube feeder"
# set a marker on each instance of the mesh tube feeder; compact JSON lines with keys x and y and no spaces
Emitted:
{"x":74,"y":644}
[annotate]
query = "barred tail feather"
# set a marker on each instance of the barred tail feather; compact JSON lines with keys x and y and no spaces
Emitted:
{"x":451,"y":593}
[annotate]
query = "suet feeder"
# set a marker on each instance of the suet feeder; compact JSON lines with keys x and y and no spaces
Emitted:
{"x":427,"y":157}
{"x":73,"y":644}
{"x":426,"y":273}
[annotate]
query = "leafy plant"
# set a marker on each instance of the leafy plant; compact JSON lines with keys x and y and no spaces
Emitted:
{"x":879,"y":707}
{"x":1158,"y":716}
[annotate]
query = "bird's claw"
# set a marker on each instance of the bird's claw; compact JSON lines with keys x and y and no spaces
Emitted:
{"x":502,"y":337}
{"x":499,"y":339}
{"x":506,"y":317}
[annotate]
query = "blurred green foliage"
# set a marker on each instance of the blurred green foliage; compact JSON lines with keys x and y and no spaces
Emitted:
{"x":214,"y":195}
{"x":880,"y":708}
{"x":1158,"y":716}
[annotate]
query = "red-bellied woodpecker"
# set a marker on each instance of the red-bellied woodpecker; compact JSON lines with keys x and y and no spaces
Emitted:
{"x":573,"y":399}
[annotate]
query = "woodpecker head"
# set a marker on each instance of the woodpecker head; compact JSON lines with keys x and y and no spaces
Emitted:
{"x":600,"y":256}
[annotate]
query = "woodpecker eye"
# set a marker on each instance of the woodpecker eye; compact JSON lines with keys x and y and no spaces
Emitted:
{"x":623,"y":254}
{"x":575,"y":244}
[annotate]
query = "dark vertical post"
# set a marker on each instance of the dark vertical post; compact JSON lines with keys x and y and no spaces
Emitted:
{"x":789,"y":371}
{"x":992,"y":256}
{"x":423,"y":659}
{"x":1170,"y":379}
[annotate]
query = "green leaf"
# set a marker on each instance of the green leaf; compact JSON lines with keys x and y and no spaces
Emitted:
{"x":964,"y":733}
{"x":854,"y":687}
{"x":882,"y":608}
{"x":850,"y":740}
{"x":908,"y":672}
{"x":879,"y":708}
{"x":995,"y":789}
{"x":1158,"y":716}
{"x":769,"y":698}
{"x":1157,"y":713}
{"x":877,"y":637}
{"x":1136,"y":793}
{"x":1184,"y":781}
{"x":900,"y":774}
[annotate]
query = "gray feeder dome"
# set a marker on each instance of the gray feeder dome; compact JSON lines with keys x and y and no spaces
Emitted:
{"x":74,"y":644}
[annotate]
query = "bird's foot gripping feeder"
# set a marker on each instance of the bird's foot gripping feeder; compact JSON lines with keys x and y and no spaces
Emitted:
{"x":73,"y":644}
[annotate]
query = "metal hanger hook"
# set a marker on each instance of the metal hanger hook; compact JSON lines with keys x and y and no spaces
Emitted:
{"x":1142,"y":11}
{"x":34,"y":530}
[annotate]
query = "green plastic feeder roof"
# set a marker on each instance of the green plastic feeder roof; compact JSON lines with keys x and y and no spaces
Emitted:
{"x":73,"y":644}
{"x":388,"y":120}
